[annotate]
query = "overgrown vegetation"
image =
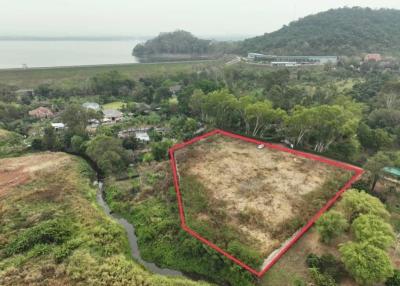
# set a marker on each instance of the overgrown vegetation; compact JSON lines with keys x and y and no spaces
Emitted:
{"x":161,"y":239}
{"x":11,"y":144}
{"x":52,"y":233}
{"x":366,"y":259}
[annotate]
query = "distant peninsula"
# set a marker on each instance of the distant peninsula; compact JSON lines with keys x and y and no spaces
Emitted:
{"x":180,"y":45}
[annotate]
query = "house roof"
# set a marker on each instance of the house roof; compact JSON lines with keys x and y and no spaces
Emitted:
{"x":108,"y":113}
{"x":41,"y":111}
{"x":91,"y":105}
{"x":143,"y":136}
{"x":392,"y":171}
{"x":58,"y":125}
{"x":175,"y":88}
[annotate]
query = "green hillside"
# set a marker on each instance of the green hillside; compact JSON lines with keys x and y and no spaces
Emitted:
{"x":182,"y":43}
{"x":344,"y":31}
{"x":177,"y":42}
{"x":53,"y":233}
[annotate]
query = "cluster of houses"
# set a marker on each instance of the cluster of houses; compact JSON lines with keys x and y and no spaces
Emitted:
{"x":110,"y":116}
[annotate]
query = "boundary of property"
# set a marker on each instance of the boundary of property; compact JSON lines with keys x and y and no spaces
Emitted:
{"x":356,"y":170}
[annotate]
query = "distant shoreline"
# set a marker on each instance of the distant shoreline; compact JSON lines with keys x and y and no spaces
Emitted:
{"x":71,"y":39}
{"x":106,"y":65}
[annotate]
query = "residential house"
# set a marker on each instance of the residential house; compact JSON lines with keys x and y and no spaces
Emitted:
{"x":41,"y":112}
{"x":175,"y":88}
{"x":58,"y":126}
{"x":142,"y":136}
{"x":373,"y":58}
{"x":392,"y":174}
{"x":112,"y":115}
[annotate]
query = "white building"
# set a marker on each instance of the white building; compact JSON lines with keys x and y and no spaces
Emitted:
{"x":284,"y":64}
{"x":58,"y":126}
{"x":92,"y":105}
{"x":142,"y":136}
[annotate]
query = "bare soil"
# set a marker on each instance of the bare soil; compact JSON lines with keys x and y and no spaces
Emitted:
{"x":260,"y":190}
{"x":20,"y":170}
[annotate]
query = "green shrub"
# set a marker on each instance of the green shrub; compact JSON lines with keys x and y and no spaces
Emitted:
{"x":331,"y":225}
{"x":65,"y":250}
{"x":299,"y":282}
{"x":394,"y":280}
{"x":326,"y":264}
{"x":373,"y":230}
{"x":160,"y":149}
{"x":332,"y":267}
{"x":322,"y":279}
{"x":313,"y":261}
{"x":355,"y":203}
{"x":148,"y":157}
{"x":47,"y":232}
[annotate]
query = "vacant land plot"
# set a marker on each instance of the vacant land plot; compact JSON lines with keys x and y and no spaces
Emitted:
{"x":17,"y":171}
{"x":260,"y":197}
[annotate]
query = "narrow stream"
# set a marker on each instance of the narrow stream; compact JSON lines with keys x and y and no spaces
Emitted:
{"x":130,"y":230}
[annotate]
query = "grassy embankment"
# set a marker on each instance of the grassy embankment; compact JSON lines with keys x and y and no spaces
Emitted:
{"x":52,"y":232}
{"x":149,"y":202}
{"x":30,"y":78}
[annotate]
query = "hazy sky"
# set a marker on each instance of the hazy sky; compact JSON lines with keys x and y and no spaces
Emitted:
{"x":149,"y":17}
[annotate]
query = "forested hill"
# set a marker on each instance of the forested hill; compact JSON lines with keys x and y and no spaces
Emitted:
{"x":178,"y":42}
{"x":344,"y":31}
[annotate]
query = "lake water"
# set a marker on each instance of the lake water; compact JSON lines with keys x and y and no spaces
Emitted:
{"x":15,"y":54}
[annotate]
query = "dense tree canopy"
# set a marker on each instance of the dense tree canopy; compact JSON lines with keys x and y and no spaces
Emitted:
{"x":355,"y":203}
{"x":345,"y":31}
{"x":373,"y":230}
{"x":368,"y":264}
{"x":108,"y":153}
{"x":178,"y":42}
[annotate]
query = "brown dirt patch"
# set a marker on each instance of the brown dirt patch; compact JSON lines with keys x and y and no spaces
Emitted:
{"x":267,"y":187}
{"x":20,"y":170}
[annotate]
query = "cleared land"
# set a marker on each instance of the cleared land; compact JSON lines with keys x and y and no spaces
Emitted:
{"x":261,"y":195}
{"x":114,"y":105}
{"x":17,"y":171}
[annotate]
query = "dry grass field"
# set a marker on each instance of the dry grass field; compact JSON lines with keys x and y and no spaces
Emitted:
{"x":263,"y":195}
{"x":21,"y":170}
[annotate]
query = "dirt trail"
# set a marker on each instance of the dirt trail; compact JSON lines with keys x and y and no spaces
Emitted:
{"x":19,"y":170}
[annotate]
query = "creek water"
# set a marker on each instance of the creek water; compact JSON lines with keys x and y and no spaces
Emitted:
{"x":130,"y":230}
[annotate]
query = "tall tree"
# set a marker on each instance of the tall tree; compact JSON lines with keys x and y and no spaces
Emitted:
{"x":260,"y":116}
{"x":375,"y":165}
{"x":108,"y":153}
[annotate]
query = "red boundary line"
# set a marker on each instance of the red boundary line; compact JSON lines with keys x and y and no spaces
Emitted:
{"x":357,"y":174}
